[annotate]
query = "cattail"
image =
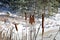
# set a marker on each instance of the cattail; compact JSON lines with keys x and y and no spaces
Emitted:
{"x":25,"y":16}
{"x":16,"y":27}
{"x":33,"y":19}
{"x":30,"y":19}
{"x":42,"y":25}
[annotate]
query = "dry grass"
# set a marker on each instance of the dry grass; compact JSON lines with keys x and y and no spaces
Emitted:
{"x":49,"y":32}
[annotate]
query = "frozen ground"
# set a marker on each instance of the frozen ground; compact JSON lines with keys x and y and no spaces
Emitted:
{"x":51,"y":26}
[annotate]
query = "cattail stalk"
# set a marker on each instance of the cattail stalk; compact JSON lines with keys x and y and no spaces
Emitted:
{"x":26,"y":30}
{"x":22,"y":34}
{"x":31,"y":21}
{"x":37,"y":33}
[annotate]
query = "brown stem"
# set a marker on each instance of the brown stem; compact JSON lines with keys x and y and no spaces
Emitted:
{"x":42,"y":25}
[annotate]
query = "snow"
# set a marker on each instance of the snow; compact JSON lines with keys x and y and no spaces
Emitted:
{"x":2,"y":13}
{"x":51,"y":27}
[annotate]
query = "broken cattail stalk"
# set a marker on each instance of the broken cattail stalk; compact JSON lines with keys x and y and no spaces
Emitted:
{"x":16,"y":26}
{"x":42,"y":25}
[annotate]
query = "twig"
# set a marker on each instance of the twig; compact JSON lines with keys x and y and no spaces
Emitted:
{"x":55,"y":35}
{"x":37,"y":32}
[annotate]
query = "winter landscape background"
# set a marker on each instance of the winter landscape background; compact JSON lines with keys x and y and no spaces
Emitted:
{"x":52,"y":27}
{"x":13,"y":25}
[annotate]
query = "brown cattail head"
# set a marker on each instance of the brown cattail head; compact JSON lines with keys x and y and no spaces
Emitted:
{"x":31,"y":19}
{"x":42,"y":20}
{"x":25,"y":16}
{"x":42,"y":24}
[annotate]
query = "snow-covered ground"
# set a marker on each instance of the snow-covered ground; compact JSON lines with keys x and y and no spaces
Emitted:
{"x":51,"y":28}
